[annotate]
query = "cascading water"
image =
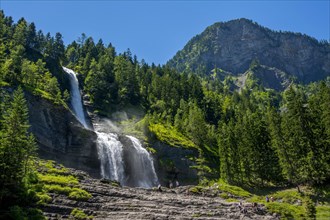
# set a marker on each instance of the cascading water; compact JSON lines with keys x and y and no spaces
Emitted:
{"x":142,"y":171}
{"x":76,"y":102}
{"x":110,"y":151}
{"x":137,"y":170}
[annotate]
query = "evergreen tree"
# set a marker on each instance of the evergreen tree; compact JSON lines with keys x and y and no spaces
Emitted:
{"x":17,"y":145}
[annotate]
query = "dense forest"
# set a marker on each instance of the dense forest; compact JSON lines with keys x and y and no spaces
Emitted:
{"x":255,"y":136}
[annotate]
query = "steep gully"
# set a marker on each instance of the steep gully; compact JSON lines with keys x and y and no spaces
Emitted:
{"x":137,"y":170}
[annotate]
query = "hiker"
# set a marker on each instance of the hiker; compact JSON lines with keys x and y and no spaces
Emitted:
{"x":255,"y":206}
{"x":171,"y":185}
{"x":267,"y":199}
{"x":272,"y":199}
{"x":240,"y":205}
{"x":177,"y":183}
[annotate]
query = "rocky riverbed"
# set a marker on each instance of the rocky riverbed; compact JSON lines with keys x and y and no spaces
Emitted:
{"x":114,"y":202}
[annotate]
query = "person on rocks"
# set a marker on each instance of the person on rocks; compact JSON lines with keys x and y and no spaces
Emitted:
{"x":255,"y":206}
{"x":240,"y":205}
{"x":267,"y":199}
{"x":177,"y":183}
{"x":272,"y":199}
{"x":171,"y":185}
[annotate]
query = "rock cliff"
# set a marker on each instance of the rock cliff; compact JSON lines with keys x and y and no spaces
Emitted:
{"x":61,"y":137}
{"x":233,"y":45}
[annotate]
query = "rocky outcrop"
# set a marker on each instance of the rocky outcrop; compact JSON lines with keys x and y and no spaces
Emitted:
{"x":233,"y":45}
{"x":61,"y":137}
{"x":110,"y":202}
{"x":173,"y":163}
{"x":268,"y":77}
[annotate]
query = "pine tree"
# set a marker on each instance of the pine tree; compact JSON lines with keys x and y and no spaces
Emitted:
{"x":17,"y":145}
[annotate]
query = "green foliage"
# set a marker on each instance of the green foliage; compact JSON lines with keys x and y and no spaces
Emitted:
{"x":322,"y":212}
{"x":286,"y":211}
{"x":19,"y":213}
{"x":171,"y":136}
{"x":79,"y":214}
{"x":233,"y":190}
{"x":17,"y":146}
{"x":58,"y":179}
{"x":79,"y":194}
{"x":309,"y":207}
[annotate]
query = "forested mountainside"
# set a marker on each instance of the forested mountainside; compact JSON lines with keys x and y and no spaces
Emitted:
{"x":251,"y":137}
{"x":232,"y":46}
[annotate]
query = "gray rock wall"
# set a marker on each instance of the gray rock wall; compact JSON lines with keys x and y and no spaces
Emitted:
{"x":61,"y":137}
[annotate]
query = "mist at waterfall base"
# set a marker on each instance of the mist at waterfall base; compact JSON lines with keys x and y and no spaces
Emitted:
{"x":122,"y":157}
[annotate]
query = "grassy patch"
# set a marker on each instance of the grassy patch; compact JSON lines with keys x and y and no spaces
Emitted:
{"x":233,"y":190}
{"x":79,"y":194}
{"x":171,"y":136}
{"x":79,"y":214}
{"x":58,"y":179}
{"x":287,"y":211}
{"x":322,"y":212}
{"x":232,"y":200}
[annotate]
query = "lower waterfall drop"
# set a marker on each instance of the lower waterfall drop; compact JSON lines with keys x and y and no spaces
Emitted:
{"x":110,"y":151}
{"x":142,"y":171}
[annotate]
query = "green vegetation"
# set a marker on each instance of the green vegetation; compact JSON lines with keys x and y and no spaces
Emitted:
{"x":79,"y":214}
{"x":56,"y":179}
{"x":62,"y":180}
{"x":233,"y":190}
{"x":322,"y":212}
{"x":253,"y":138}
{"x":27,"y":58}
{"x":20,"y":193}
{"x":170,"y":136}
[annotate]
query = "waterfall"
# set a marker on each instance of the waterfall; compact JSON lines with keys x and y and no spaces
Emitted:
{"x":76,"y":102}
{"x":129,"y":164}
{"x":142,"y":171}
{"x":110,"y":151}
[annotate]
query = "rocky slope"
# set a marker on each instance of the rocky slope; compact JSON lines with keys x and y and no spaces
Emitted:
{"x":110,"y":202}
{"x":61,"y":137}
{"x":233,"y":45}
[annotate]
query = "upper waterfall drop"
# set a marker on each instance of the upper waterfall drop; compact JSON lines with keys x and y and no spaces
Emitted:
{"x":76,"y":101}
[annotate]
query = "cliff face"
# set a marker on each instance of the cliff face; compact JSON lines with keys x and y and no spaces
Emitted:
{"x":233,"y":45}
{"x":61,"y":137}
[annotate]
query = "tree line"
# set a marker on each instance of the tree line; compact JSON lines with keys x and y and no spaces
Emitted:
{"x":255,"y":136}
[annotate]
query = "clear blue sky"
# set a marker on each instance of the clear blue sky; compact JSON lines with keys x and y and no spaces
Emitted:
{"x":156,"y":30}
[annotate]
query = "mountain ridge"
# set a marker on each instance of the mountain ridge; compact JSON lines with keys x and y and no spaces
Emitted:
{"x":233,"y":45}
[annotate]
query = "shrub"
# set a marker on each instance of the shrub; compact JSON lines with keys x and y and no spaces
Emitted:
{"x":43,"y":198}
{"x":79,"y":214}
{"x":58,"y":189}
{"x":56,"y":179}
{"x":79,"y":194}
{"x":309,"y":208}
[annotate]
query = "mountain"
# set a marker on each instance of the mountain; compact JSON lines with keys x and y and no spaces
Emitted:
{"x":232,"y":46}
